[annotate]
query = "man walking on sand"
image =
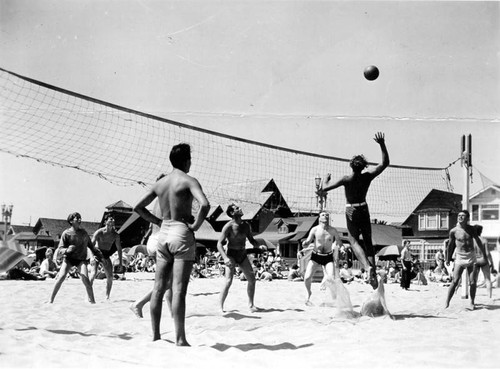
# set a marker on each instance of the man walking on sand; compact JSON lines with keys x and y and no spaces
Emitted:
{"x":176,"y":243}
{"x":356,"y":186}
{"x":236,"y":232}
{"x":484,"y":262}
{"x":321,"y":240}
{"x":462,"y":239}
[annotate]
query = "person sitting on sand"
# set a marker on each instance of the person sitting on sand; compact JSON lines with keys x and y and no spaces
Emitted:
{"x":48,"y":267}
{"x":294,"y":274}
{"x":346,"y":275}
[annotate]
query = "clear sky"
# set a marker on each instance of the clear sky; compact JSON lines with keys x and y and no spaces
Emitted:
{"x":288,"y":73}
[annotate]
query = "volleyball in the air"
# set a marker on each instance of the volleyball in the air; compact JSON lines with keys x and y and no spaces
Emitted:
{"x":371,"y":73}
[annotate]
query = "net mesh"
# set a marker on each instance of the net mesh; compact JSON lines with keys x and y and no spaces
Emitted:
{"x":127,"y":147}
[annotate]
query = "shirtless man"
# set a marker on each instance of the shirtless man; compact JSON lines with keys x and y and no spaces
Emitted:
{"x":73,"y":245}
{"x":176,"y":243}
{"x":356,"y":186}
{"x":462,"y":239}
{"x":324,"y":252}
{"x":107,"y":240}
{"x":484,"y":262}
{"x":152,"y":247}
{"x":236,"y":232}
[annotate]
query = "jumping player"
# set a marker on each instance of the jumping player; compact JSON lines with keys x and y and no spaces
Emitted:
{"x":356,"y":186}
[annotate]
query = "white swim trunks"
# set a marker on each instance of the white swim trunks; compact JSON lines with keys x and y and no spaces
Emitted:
{"x":152,"y":244}
{"x":176,"y":241}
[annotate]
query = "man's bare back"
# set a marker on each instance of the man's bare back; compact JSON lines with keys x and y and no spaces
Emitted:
{"x":175,"y":197}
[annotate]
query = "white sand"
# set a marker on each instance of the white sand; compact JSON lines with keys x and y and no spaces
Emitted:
{"x":74,"y":334}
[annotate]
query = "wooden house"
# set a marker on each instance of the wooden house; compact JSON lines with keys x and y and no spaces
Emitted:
{"x":485,"y":210}
{"x":260,"y":201}
{"x":429,"y":225}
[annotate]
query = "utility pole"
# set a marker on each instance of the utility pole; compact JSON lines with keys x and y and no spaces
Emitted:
{"x":466,"y":155}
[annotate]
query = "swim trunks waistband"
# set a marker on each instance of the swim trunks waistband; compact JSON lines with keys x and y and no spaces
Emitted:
{"x":355,"y":205}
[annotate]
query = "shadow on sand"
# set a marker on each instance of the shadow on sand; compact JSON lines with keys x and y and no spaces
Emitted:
{"x":260,"y":346}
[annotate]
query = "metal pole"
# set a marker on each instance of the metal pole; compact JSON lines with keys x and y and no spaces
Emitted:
{"x":466,"y":146}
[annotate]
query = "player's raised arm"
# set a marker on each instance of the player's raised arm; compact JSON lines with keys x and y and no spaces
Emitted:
{"x":380,"y":139}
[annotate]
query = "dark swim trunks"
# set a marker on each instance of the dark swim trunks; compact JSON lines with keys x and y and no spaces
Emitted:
{"x":358,"y":223}
{"x":107,"y":253}
{"x":322,"y":259}
{"x":73,"y":262}
{"x":239,"y":256}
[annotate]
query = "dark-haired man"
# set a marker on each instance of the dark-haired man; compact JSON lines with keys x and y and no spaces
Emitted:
{"x":462,"y":238}
{"x":176,"y":243}
{"x":356,"y":186}
{"x":73,"y":245}
{"x":325,"y":242}
{"x":484,"y":262}
{"x":236,"y":232}
{"x":107,"y":240}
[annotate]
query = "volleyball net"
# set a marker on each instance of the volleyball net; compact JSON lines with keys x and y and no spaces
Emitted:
{"x":127,"y":147}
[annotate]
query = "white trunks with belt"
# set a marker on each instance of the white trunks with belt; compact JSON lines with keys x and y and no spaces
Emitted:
{"x":355,"y":205}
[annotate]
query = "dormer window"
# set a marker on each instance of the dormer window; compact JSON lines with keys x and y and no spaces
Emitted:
{"x":283,"y":228}
{"x":433,"y":221}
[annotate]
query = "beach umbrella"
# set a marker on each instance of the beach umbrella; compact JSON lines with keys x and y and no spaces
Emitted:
{"x":134,"y":250}
{"x":11,"y":253}
{"x":29,"y":259}
{"x":389,"y":252}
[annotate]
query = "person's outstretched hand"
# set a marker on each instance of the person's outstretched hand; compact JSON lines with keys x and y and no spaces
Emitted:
{"x":379,"y":138}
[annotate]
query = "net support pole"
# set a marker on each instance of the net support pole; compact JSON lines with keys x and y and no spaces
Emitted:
{"x":466,"y":163}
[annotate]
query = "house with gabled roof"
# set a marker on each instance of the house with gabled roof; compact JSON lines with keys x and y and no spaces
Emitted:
{"x":260,"y":201}
{"x":485,"y":210}
{"x":429,"y":225}
{"x":25,"y":236}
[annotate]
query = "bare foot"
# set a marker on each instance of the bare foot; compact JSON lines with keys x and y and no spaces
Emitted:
{"x":183,"y":343}
{"x":136,"y":310}
{"x":471,"y":307}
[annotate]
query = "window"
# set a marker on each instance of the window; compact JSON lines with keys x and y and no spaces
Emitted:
{"x":283,"y":229}
{"x":433,"y":221}
{"x":489,"y":212}
{"x":475,"y":213}
{"x":443,"y":221}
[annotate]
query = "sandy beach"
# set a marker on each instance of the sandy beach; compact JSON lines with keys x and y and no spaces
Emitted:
{"x":74,"y":334}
